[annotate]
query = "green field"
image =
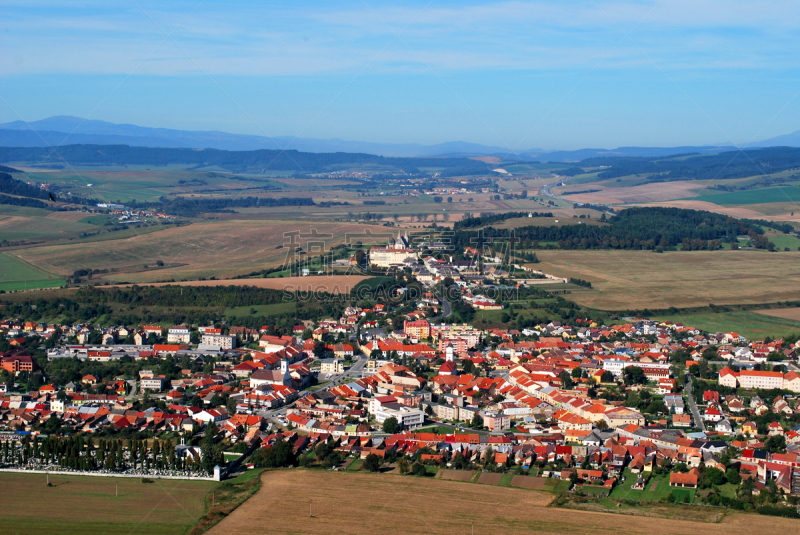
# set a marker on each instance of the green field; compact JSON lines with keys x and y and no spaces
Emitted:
{"x":747,"y":323}
{"x":262,"y":310}
{"x":19,"y":228}
{"x":556,"y":485}
{"x":784,"y":241}
{"x":148,"y":184}
{"x":753,"y":196}
{"x":16,"y":274}
{"x":623,"y":491}
{"x":90,"y":505}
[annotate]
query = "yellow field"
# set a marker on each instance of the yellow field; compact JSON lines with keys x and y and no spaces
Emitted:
{"x":346,"y":503}
{"x":642,"y":279}
{"x":203,"y":249}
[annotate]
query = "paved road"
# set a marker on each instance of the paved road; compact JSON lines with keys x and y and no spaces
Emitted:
{"x":547,"y":193}
{"x":698,"y":421}
{"x":446,"y":311}
{"x":353,"y":373}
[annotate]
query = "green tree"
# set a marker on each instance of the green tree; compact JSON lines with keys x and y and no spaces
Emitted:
{"x":634,"y":375}
{"x":732,"y":475}
{"x":403,"y":466}
{"x":477,"y":421}
{"x":278,"y":455}
{"x":390,"y":425}
{"x":210,"y":456}
{"x":372,"y":462}
{"x":566,"y":380}
{"x":715,"y":476}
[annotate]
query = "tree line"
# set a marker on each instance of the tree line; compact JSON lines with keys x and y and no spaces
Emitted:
{"x":655,"y":228}
{"x":724,"y":165}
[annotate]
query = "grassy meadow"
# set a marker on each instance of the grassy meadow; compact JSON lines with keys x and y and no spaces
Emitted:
{"x":163,"y":507}
{"x":751,"y":324}
{"x":16,"y":274}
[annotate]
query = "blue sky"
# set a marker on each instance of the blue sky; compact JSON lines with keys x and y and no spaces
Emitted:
{"x":552,"y":75}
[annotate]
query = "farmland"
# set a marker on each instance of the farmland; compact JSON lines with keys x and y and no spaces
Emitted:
{"x":17,"y":274}
{"x":203,"y":249}
{"x":625,"y":280}
{"x":751,"y":324}
{"x":166,"y":507}
{"x":330,"y":284}
{"x":791,"y":314}
{"x":340,"y":502}
{"x":789,"y":193}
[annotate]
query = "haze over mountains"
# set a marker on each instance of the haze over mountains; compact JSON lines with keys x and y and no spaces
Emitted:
{"x":67,"y":130}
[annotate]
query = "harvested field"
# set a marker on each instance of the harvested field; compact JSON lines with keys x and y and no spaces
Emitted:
{"x":488,"y":478}
{"x":528,"y":482}
{"x":88,"y":505}
{"x":486,"y":159}
{"x":655,"y":192}
{"x":322,"y":283}
{"x":346,"y":503}
{"x":455,"y":475}
{"x":625,"y":280}
{"x":209,"y":248}
{"x":786,"y":313}
{"x":68,"y":216}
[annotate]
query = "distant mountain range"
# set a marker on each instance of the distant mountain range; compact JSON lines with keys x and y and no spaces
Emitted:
{"x":67,"y":130}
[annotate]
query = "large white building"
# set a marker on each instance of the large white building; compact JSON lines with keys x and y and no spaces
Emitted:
{"x":751,"y":379}
{"x":179,"y":334}
{"x":391,"y":255}
{"x":222,"y":340}
{"x":384,"y":407}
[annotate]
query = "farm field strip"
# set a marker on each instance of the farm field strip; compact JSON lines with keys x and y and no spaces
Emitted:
{"x":203,"y":249}
{"x":343,"y":502}
{"x":792,"y":314}
{"x":316,"y":283}
{"x":625,"y":280}
{"x":166,"y":507}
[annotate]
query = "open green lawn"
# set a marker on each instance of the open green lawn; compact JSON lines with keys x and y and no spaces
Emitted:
{"x":16,"y":274}
{"x":262,"y":310}
{"x":556,"y":485}
{"x":745,"y":322}
{"x":356,"y":465}
{"x":15,"y":228}
{"x":89,"y":505}
{"x":505,"y":480}
{"x":623,"y":490}
{"x":781,"y":242}
{"x":591,"y":490}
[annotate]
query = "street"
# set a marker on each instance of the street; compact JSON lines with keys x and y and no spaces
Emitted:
{"x":354,"y":372}
{"x":698,"y":421}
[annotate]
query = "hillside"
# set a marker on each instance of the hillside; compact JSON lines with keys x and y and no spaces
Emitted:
{"x":255,"y":161}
